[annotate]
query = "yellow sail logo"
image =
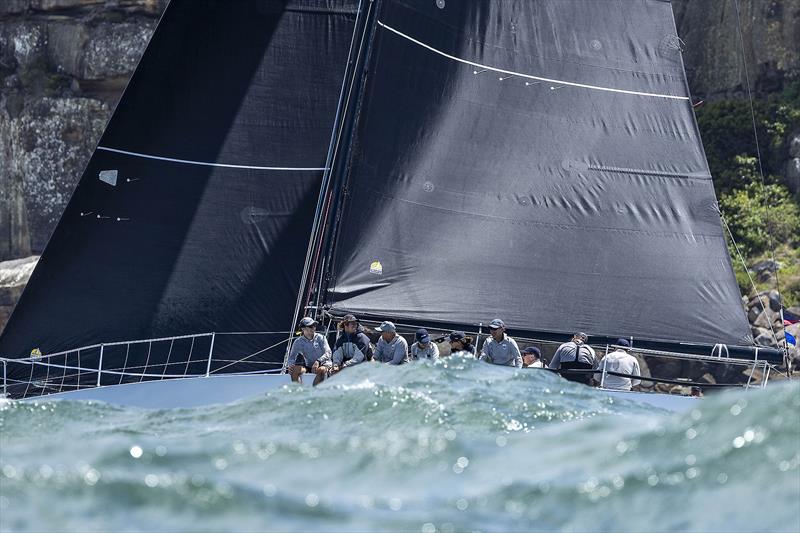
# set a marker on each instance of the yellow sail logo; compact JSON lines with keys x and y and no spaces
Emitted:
{"x":36,"y":352}
{"x":376,"y":267}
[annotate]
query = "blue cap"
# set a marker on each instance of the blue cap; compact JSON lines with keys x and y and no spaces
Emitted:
{"x":497,"y":324}
{"x":623,"y":342}
{"x":457,"y":336}
{"x":422,"y":335}
{"x":533,"y":350}
{"x":307,"y":322}
{"x":387,"y":326}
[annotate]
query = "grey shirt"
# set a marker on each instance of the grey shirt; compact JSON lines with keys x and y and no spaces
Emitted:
{"x":566,"y":353}
{"x":622,"y":362}
{"x":316,"y":349}
{"x":394,"y":352}
{"x":505,"y":352}
{"x":430,"y":352}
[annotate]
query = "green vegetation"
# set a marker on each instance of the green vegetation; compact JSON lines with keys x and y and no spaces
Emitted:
{"x":751,"y":208}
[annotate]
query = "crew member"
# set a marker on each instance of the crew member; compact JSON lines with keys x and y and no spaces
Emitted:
{"x":619,"y":361}
{"x":500,"y":349}
{"x":391,"y":348}
{"x":532,"y":357}
{"x":575,"y":355}
{"x":423,"y":348}
{"x":461,"y":344}
{"x":352,"y":345}
{"x":310,"y":353}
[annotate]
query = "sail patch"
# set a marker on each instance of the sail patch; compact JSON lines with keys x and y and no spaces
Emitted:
{"x":109,"y":176}
{"x":376,"y":268}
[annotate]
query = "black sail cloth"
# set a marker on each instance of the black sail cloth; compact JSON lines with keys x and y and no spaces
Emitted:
{"x":536,"y":161}
{"x":226,"y":124}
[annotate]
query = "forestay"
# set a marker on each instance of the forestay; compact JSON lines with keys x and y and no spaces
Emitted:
{"x":538,"y":161}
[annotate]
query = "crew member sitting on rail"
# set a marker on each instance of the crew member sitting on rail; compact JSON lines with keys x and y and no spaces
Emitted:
{"x":532,"y":357}
{"x":619,"y":361}
{"x":500,"y":349}
{"x":391,"y":348}
{"x":310,"y":353}
{"x":352,"y":345}
{"x":575,"y":355}
{"x":461,"y":344}
{"x":424,"y":348}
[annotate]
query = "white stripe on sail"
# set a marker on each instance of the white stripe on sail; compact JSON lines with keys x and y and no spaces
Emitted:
{"x":204,"y":163}
{"x":529,"y":76}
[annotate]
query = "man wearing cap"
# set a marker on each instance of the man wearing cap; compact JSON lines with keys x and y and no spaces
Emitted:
{"x":310,"y":353}
{"x":352,"y":345}
{"x":532,"y":357}
{"x":461,"y":344}
{"x":565,"y":358}
{"x":500,"y":349}
{"x":619,"y":361}
{"x":391,"y":348}
{"x":424,"y":348}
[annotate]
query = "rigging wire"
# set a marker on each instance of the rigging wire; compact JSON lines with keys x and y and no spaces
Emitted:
{"x":747,"y":271}
{"x":760,"y":172}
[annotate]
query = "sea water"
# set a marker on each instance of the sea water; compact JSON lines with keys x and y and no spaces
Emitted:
{"x":453,"y":446}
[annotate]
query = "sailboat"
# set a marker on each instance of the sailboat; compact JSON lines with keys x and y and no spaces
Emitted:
{"x":433,"y":162}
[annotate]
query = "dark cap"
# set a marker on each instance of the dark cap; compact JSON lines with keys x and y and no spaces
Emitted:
{"x":422,"y":335}
{"x":457,"y":336}
{"x":623,"y":342}
{"x":497,"y":324}
{"x":346,"y":319}
{"x":307,"y":322}
{"x":533,"y":350}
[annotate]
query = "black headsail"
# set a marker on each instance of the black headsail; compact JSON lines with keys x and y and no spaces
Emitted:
{"x":195,"y":211}
{"x":537,"y":161}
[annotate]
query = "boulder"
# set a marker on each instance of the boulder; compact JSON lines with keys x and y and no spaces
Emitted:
{"x":767,"y":319}
{"x":766,"y":340}
{"x":794,"y":144}
{"x":13,"y":277}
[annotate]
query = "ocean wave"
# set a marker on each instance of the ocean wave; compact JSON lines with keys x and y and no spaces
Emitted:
{"x":456,"y":445}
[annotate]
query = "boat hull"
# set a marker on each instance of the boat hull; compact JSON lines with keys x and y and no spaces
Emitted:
{"x":221,"y":389}
{"x":177,"y":393}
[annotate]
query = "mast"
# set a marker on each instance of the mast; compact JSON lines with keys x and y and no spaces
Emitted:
{"x":337,"y":194}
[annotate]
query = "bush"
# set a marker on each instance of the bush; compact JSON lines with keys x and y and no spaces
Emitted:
{"x":749,"y":218}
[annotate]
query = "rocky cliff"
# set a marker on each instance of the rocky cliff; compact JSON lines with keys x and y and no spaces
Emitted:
{"x":63,"y":66}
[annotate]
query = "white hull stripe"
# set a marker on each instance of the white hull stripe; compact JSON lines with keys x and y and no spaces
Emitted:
{"x":529,"y":76}
{"x":204,"y":163}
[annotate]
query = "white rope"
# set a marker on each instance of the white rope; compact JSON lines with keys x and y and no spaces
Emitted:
{"x":529,"y":76}
{"x":205,"y":163}
{"x":747,"y":271}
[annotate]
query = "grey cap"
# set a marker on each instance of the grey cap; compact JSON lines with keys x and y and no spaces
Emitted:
{"x":496,"y":324}
{"x":582,"y":335}
{"x":387,"y":326}
{"x":307,"y":322}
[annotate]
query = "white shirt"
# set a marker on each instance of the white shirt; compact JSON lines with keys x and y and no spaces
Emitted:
{"x":624,"y":363}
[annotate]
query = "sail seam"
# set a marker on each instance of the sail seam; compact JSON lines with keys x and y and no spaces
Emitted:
{"x":529,"y":76}
{"x":204,"y":163}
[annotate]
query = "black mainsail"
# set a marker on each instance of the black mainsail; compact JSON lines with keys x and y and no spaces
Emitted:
{"x":536,"y":161}
{"x":195,"y":210}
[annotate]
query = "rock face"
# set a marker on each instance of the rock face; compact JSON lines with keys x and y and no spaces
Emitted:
{"x":13,"y":277}
{"x":63,"y":65}
{"x":713,"y":55}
